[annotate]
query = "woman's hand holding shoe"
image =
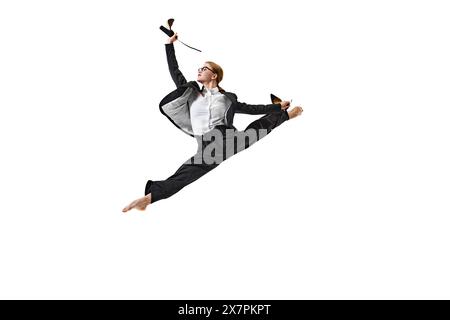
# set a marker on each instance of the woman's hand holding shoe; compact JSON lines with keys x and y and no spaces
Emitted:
{"x":173,"y":38}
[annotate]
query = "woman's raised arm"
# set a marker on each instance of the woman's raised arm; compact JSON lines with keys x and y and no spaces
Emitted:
{"x":175,"y":73}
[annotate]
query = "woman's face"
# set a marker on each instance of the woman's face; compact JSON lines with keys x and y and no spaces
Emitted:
{"x":205,"y":74}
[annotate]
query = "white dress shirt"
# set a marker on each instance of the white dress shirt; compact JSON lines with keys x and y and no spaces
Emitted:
{"x":207,"y":111}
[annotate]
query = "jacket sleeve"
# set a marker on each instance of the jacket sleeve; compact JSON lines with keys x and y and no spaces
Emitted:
{"x":175,"y":73}
{"x":243,"y":107}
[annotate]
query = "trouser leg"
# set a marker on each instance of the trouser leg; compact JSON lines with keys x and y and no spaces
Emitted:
{"x":189,"y":171}
{"x":254,"y":132}
{"x":268,"y":122}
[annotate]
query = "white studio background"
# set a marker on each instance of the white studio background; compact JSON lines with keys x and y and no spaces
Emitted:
{"x":348,"y":201}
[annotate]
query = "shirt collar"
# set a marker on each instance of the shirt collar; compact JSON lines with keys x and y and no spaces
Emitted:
{"x":212,"y":90}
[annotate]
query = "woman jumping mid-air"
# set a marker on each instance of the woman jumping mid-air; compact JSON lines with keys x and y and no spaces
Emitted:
{"x":206,"y":114}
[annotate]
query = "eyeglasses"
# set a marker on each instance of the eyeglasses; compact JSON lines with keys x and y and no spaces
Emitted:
{"x":204,"y":69}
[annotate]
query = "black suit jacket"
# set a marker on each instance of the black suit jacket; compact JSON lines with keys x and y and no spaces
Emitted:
{"x":174,"y":105}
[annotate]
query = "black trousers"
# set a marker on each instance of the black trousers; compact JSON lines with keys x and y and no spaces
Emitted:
{"x":223,"y":145}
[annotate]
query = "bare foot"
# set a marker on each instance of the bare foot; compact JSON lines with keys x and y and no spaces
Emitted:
{"x":295,"y":112}
{"x":139,"y":204}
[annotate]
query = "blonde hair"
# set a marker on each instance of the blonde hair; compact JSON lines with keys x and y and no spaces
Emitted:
{"x":219,"y":71}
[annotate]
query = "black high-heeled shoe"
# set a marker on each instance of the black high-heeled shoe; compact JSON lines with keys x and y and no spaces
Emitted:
{"x":275,"y":99}
{"x":170,"y":33}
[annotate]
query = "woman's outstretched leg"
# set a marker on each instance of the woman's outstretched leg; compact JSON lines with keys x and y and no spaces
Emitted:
{"x":272,"y":120}
{"x":268,"y":122}
{"x":260,"y":128}
{"x":188,"y":172}
{"x":156,"y":190}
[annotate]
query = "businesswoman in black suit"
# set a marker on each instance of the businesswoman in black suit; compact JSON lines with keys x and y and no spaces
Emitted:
{"x":207,"y":114}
